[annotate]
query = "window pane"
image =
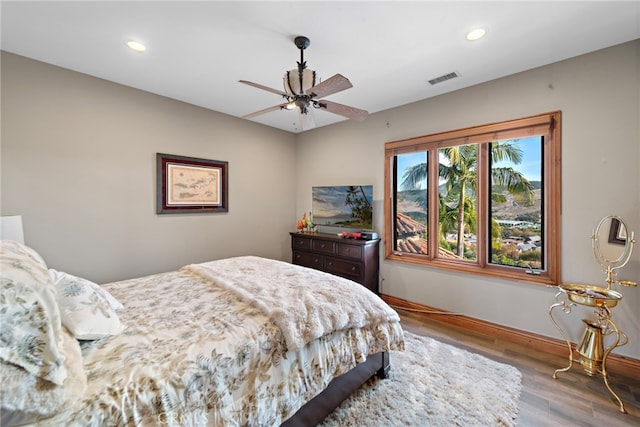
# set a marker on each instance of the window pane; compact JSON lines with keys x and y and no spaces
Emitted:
{"x":517,"y":236}
{"x":411,"y":203}
{"x":494,"y":199}
{"x":458,"y":174}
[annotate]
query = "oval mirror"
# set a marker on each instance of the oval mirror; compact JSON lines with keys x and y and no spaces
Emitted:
{"x":611,"y":246}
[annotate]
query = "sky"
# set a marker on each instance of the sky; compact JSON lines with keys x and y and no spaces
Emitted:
{"x":529,"y":167}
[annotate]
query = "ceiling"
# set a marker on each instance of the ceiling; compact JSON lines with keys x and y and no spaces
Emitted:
{"x":389,"y":50}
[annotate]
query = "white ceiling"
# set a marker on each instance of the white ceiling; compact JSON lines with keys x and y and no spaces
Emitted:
{"x":197,"y":51}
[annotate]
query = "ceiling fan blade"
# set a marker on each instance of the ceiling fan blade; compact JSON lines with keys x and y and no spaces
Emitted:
{"x":330,"y":86}
{"x":268,"y":89}
{"x":306,"y":120}
{"x":343,"y":110}
{"x":266,"y":110}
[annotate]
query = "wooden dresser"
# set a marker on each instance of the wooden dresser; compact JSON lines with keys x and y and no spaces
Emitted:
{"x":357,"y":260}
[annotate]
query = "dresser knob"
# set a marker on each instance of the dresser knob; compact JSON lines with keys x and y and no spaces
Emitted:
{"x":353,"y":269}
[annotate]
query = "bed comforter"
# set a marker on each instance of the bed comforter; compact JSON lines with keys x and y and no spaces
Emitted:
{"x":199,"y":350}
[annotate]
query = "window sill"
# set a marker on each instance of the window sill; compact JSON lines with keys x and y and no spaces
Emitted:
{"x":506,"y":273}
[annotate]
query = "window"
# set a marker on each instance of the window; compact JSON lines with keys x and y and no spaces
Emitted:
{"x":483,"y":200}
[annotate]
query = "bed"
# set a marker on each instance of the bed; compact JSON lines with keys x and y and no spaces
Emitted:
{"x":243,"y":341}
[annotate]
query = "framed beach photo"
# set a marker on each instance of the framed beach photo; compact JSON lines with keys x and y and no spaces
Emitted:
{"x":349,"y":206}
{"x":191,"y":185}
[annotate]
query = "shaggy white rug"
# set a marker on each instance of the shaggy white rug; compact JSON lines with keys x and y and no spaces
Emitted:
{"x":434,"y":384}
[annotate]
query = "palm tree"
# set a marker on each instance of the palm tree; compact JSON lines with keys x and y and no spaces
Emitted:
{"x":460,"y":177}
{"x":459,"y":173}
{"x":360,"y":205}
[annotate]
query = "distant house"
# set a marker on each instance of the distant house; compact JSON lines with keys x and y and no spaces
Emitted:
{"x":516,"y":224}
{"x":524,"y":247}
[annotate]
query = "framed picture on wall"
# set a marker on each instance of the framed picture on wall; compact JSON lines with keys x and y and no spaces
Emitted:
{"x":617,"y":233}
{"x":191,"y":185}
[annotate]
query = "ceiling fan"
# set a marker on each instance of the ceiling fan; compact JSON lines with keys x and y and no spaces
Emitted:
{"x":301,"y":91}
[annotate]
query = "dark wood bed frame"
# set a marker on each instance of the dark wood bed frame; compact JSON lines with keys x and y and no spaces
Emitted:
{"x":338,"y":390}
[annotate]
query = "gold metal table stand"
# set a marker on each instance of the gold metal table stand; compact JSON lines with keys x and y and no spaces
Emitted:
{"x":592,"y":351}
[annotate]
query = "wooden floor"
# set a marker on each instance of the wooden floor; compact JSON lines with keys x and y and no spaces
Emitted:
{"x":574,"y":399}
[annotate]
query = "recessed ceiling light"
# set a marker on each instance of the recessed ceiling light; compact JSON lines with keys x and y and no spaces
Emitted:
{"x":476,"y":34}
{"x":137,"y":46}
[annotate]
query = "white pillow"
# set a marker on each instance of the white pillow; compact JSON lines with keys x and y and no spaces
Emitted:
{"x":84,"y":310}
{"x":31,"y":330}
{"x":111,"y":300}
{"x":22,"y":250}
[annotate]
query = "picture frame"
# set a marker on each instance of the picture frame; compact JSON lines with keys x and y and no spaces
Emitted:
{"x":191,"y":185}
{"x":617,"y":233}
{"x":344,"y":206}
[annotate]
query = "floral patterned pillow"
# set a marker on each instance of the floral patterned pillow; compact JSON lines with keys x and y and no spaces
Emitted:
{"x":23,"y":251}
{"x":33,"y":397}
{"x":30,"y":326}
{"x":57,"y":276}
{"x":85,"y":311}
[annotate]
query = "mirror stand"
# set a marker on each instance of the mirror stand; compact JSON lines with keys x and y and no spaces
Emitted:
{"x":611,"y":253}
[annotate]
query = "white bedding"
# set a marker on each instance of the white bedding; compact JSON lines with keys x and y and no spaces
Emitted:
{"x":193,"y":353}
{"x":323,"y":304}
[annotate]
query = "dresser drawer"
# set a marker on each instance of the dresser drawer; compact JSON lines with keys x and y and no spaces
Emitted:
{"x":307,"y":259}
{"x":349,"y":251}
{"x":300,"y":243}
{"x":357,"y":260}
{"x":340,"y":267}
{"x":323,"y":246}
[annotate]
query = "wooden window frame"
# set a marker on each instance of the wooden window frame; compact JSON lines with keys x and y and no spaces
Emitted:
{"x":549,"y":126}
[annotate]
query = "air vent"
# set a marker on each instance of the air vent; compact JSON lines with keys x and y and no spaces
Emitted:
{"x":451,"y":75}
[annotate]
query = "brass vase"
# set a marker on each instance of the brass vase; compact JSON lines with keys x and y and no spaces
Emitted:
{"x":591,"y":349}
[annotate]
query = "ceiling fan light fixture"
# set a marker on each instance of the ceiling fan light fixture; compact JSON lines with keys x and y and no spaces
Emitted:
{"x":302,"y":92}
{"x":293,"y":84}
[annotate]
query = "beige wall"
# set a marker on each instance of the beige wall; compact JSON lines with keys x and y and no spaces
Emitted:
{"x":599,"y":96}
{"x":78,"y":163}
